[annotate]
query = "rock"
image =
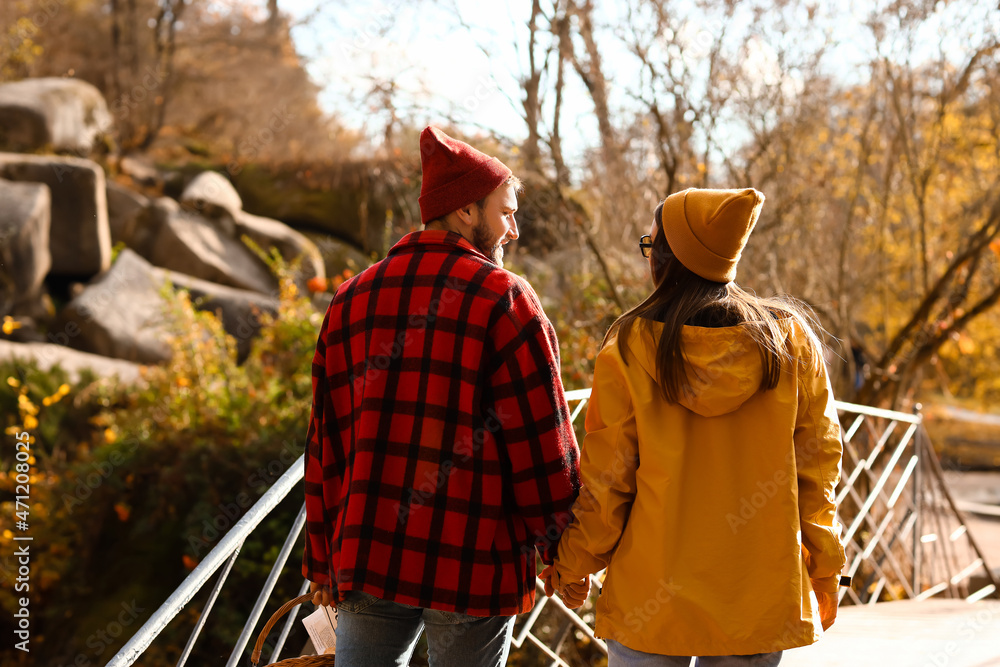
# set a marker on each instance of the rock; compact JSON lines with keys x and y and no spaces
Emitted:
{"x":142,"y":171}
{"x":338,"y":255}
{"x":74,"y":362}
{"x":55,"y":113}
{"x":120,"y":314}
{"x":125,"y":209}
{"x":24,"y":245}
{"x":80,"y":238}
{"x":98,"y":320}
{"x":238,"y":310}
{"x":147,"y":226}
{"x":290,"y":244}
{"x":192,"y":245}
{"x":350,"y":201}
{"x":27,"y":331}
{"x":212,"y":195}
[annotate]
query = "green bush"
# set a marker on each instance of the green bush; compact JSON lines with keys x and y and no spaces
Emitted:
{"x":129,"y":483}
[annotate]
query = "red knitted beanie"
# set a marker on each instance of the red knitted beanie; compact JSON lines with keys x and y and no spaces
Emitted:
{"x":454,"y":174}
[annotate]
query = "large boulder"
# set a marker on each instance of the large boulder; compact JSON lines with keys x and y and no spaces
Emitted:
{"x":80,"y":239}
{"x":290,"y":244}
{"x":55,"y":113}
{"x":74,"y":362}
{"x":212,"y":195}
{"x":350,"y":201}
{"x":190,"y":244}
{"x":147,"y":225}
{"x":119,"y":314}
{"x":126,"y":209}
{"x":141,"y":170}
{"x":239,"y":310}
{"x":338,"y":255}
{"x":24,"y":245}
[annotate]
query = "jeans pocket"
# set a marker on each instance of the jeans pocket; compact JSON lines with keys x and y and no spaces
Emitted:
{"x":356,"y":602}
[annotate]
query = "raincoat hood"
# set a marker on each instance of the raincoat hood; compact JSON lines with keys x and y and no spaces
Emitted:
{"x":724,"y":366}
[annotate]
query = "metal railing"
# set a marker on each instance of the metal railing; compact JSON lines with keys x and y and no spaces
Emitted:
{"x":905,"y":538}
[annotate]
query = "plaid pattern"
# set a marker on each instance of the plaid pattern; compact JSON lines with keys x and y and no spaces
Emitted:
{"x":440,"y":452}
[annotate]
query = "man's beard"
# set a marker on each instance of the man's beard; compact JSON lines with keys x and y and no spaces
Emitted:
{"x":486,"y":244}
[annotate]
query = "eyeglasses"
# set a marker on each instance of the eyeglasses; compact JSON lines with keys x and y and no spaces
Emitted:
{"x":645,"y":244}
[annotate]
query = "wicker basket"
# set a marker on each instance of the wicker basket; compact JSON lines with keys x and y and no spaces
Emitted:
{"x":304,"y":661}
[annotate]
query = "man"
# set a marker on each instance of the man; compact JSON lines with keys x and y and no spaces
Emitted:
{"x":440,"y":452}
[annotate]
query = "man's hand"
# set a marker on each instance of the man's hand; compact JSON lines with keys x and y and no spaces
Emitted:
{"x":546,"y":577}
{"x":827,"y":608}
{"x":322,"y":595}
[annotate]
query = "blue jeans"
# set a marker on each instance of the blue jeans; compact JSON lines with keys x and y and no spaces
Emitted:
{"x":376,"y":633}
{"x":623,"y":656}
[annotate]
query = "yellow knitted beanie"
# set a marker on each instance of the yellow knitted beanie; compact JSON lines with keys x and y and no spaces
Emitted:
{"x":707,"y":229}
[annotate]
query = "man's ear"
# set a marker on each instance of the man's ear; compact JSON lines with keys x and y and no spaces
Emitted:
{"x":464,"y":215}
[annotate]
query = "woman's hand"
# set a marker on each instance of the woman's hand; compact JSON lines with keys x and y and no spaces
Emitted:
{"x":573,"y":595}
{"x":322,"y":595}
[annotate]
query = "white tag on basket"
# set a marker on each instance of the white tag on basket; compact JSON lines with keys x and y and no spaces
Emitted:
{"x":321,"y":626}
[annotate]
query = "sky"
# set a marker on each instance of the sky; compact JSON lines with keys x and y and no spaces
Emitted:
{"x":422,"y":48}
{"x":462,"y":59}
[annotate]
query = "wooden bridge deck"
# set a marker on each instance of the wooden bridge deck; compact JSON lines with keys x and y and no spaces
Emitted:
{"x":931,"y":633}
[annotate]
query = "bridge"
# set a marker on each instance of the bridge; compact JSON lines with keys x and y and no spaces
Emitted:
{"x":922,"y":591}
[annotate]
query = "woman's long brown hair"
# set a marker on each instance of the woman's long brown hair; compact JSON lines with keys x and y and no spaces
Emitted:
{"x":682,"y":297}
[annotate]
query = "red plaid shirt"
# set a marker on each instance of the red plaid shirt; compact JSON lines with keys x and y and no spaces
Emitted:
{"x":440,"y":451}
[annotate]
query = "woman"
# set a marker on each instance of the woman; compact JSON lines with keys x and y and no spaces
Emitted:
{"x":710,"y":462}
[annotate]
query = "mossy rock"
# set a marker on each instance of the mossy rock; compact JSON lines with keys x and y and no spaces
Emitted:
{"x":347,"y":201}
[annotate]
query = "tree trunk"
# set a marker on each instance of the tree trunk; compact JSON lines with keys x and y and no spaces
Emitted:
{"x":532,"y":100}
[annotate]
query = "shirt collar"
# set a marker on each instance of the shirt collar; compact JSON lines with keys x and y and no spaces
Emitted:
{"x":438,"y":237}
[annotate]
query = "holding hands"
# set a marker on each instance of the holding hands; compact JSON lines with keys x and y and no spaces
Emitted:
{"x":573,"y":594}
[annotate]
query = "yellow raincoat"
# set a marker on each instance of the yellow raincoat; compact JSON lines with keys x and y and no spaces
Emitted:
{"x":715,"y":517}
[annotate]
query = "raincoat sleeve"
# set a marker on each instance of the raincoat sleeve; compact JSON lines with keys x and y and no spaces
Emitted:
{"x":609,"y":458}
{"x":818,"y":453}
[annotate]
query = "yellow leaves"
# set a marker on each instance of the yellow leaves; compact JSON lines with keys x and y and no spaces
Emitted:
{"x":13,"y":382}
{"x":10,"y":324}
{"x":56,"y":397}
{"x":110,"y":436}
{"x":965,"y":344}
{"x":25,"y":405}
{"x":995,"y":247}
{"x":30,"y":422}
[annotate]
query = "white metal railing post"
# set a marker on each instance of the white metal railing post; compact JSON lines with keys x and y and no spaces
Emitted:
{"x":213,"y":561}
